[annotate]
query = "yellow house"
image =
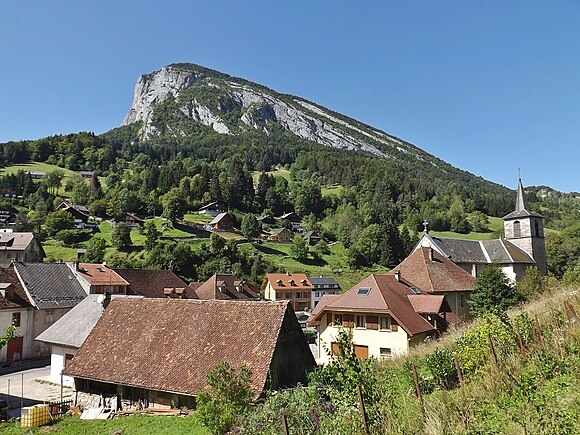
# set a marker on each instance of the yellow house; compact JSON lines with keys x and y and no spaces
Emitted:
{"x":295,"y":287}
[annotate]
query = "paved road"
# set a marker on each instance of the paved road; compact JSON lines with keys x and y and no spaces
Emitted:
{"x":24,"y":384}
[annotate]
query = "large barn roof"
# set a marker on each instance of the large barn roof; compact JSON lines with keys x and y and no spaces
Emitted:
{"x":171,"y":345}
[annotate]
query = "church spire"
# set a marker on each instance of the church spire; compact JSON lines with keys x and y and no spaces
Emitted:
{"x":521,"y":203}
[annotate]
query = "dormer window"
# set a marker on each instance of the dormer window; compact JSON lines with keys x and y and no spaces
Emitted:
{"x":280,"y":283}
{"x":292,"y":283}
{"x":304,"y":282}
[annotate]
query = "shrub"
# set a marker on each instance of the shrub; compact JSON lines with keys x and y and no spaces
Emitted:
{"x":226,"y":397}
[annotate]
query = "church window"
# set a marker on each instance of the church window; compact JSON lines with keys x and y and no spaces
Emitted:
{"x":517,"y":229}
{"x":537,"y":227}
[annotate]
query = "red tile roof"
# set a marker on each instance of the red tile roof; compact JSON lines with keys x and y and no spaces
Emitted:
{"x":14,"y":294}
{"x":436,"y":275}
{"x":151,"y":282}
{"x":386,"y":295}
{"x":172,"y":344}
{"x":288,"y":281}
{"x":427,"y":304}
{"x":97,"y":274}
{"x":226,"y":287}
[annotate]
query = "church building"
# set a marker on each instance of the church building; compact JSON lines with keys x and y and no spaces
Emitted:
{"x":522,"y":246}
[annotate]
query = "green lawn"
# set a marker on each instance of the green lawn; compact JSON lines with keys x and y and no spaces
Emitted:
{"x":335,"y":189}
{"x":135,"y":424}
{"x":284,"y":173}
{"x":334,"y":265}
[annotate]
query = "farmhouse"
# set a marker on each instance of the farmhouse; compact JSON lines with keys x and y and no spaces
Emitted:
{"x":282,"y":235}
{"x":386,"y":317}
{"x":159,"y":351}
{"x":222,"y":222}
{"x":80,"y":213}
{"x":19,"y":247}
{"x":213,"y":208}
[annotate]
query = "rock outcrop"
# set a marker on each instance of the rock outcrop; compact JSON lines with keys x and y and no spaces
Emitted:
{"x":230,"y":105}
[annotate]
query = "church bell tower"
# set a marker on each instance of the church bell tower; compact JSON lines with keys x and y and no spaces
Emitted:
{"x":525,"y":229}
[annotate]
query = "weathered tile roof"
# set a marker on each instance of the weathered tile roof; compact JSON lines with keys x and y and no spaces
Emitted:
{"x":225,"y":287}
{"x":385,"y":295}
{"x":288,"y":281}
{"x":15,"y":296}
{"x":98,"y":274}
{"x":151,"y":282}
{"x":431,"y":272}
{"x":171,"y":345}
{"x":427,"y":304}
{"x":50,"y":285}
{"x":73,"y":328}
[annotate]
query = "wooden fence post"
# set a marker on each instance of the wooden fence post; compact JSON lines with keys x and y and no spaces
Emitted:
{"x":418,"y":389}
{"x":520,"y":341}
{"x":284,"y":425}
{"x":492,"y":348}
{"x":363,"y":414}
{"x":539,"y":331}
{"x":458,"y":368}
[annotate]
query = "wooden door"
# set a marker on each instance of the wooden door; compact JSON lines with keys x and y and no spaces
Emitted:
{"x":362,"y":352}
{"x":14,"y":349}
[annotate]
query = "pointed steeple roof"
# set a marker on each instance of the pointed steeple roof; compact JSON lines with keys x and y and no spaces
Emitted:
{"x":521,"y":209}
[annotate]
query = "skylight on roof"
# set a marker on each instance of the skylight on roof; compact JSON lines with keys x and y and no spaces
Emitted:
{"x":415,"y":290}
{"x":363,"y":291}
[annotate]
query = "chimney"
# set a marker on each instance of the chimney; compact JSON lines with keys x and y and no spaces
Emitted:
{"x":106,"y":299}
{"x":398,"y":275}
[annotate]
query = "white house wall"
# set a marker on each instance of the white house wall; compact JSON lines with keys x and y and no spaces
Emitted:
{"x":57,"y":360}
{"x":397,"y":341}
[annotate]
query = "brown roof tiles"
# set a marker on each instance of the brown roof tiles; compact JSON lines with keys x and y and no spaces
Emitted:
{"x":152,"y":282}
{"x":171,"y":345}
{"x":431,"y":272}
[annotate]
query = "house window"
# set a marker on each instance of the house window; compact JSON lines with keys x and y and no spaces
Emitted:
{"x":386,"y":352}
{"x":517,"y":229}
{"x":288,"y":295}
{"x":360,"y":321}
{"x":67,"y":359}
{"x":462,"y":301}
{"x":279,"y":295}
{"x":385,"y":323}
{"x":16,"y":319}
{"x":49,"y":316}
{"x":337,"y":319}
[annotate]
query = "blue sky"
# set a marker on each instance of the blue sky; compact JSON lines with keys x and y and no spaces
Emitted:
{"x":489,"y":87}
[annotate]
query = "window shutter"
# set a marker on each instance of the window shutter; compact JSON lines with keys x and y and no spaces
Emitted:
{"x":373,"y":322}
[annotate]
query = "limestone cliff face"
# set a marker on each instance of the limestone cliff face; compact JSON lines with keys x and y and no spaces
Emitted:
{"x":230,"y":105}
